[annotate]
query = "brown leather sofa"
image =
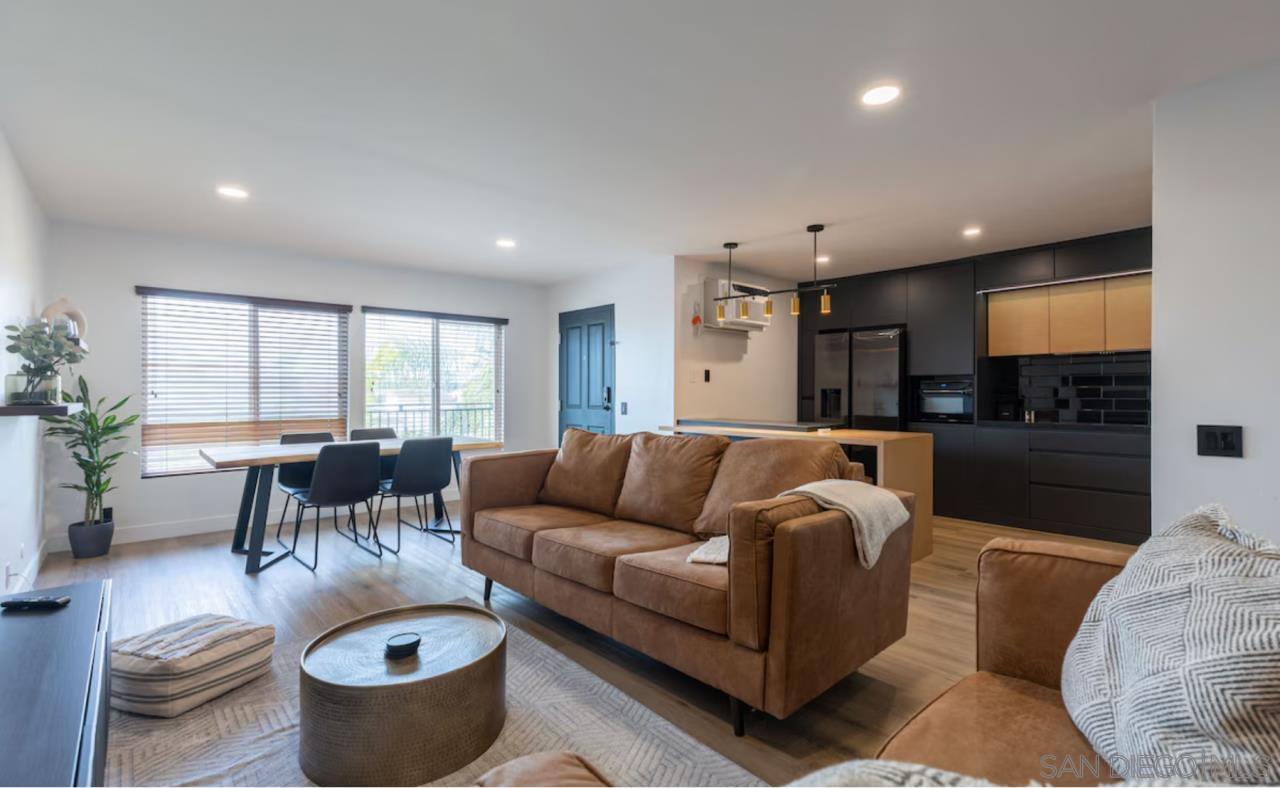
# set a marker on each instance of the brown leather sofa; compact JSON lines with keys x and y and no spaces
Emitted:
{"x":599,"y":531}
{"x":1007,"y":723}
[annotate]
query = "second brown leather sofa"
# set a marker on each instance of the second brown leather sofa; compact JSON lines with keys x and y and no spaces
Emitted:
{"x":600,"y":529}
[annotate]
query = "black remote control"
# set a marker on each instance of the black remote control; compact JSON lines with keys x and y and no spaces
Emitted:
{"x":36,"y":603}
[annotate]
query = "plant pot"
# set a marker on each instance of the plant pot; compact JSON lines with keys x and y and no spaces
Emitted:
{"x":40,"y":390}
{"x":91,"y":541}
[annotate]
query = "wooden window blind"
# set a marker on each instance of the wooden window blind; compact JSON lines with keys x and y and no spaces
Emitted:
{"x":429,"y":373}
{"x":222,"y":370}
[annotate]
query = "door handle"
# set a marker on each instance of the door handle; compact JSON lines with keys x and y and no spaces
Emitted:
{"x":608,"y":397}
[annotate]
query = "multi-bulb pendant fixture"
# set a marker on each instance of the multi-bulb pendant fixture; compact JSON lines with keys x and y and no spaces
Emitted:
{"x":744,"y":309}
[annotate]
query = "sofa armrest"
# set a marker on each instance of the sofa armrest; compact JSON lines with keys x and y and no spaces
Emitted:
{"x":751,"y":526}
{"x":1032,"y":596}
{"x":828,"y":613}
{"x":493,"y":480}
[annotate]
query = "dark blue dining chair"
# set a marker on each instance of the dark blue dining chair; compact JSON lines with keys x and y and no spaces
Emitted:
{"x":346,"y":475}
{"x":387,"y":462}
{"x":295,"y":477}
{"x":424,"y":468}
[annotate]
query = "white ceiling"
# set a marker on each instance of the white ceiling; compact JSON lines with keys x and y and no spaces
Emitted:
{"x":602,"y":132}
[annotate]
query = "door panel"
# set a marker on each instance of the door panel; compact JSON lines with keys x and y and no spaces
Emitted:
{"x":1077,"y":317}
{"x":1018,"y":322}
{"x":587,"y":370}
{"x":1129,"y":313}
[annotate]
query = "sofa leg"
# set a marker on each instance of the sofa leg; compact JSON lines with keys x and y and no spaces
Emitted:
{"x":488,"y":588}
{"x":738,"y":714}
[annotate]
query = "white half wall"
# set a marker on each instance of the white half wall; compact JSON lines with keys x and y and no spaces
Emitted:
{"x":1216,"y":203}
{"x":643,"y":315}
{"x":22,"y":234}
{"x":753,"y":375}
{"x":98,"y":268}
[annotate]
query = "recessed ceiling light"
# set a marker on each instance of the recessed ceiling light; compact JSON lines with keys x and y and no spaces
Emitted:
{"x":881,"y":94}
{"x":822,"y":258}
{"x":506,"y":243}
{"x":972,"y":231}
{"x":231,"y":192}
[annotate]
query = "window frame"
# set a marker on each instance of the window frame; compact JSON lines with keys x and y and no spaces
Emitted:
{"x":343,"y":354}
{"x":500,"y":360}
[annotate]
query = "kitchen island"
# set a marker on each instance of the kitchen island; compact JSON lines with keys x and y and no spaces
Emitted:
{"x":903,"y":460}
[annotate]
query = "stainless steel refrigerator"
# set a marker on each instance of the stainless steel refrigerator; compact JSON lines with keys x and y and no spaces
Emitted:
{"x":859,"y":378}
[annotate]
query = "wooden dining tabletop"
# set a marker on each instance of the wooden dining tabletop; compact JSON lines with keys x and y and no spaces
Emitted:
{"x":221,"y":457}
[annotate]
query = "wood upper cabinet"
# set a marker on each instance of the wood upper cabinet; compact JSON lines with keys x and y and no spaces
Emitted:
{"x":1077,"y":317}
{"x":1128,"y":312}
{"x":1018,"y":322}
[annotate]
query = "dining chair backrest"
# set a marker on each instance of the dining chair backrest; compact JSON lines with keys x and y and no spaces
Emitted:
{"x":298,"y":474}
{"x":424,"y":466}
{"x":346,"y":473}
{"x":388,"y":462}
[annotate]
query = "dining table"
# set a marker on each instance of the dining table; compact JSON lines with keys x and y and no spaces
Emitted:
{"x":261,"y":462}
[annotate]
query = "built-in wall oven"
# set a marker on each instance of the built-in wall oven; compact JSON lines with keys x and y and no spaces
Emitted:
{"x":947,"y":400}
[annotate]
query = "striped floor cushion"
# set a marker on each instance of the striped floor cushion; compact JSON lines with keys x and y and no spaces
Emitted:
{"x":174,"y":668}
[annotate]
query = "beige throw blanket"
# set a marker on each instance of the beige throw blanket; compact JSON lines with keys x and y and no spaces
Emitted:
{"x":874,"y":512}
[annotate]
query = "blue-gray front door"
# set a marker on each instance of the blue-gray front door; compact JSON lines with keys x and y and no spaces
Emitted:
{"x":586,"y":369}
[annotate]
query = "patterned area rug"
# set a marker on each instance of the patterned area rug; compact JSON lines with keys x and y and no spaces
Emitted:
{"x":250,"y":736}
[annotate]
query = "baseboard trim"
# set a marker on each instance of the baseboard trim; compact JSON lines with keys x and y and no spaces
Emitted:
{"x":30,"y":571}
{"x":147,"y":532}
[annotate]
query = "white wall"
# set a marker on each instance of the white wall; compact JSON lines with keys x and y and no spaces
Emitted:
{"x":98,"y":268}
{"x":1216,"y":329}
{"x":753,"y":375}
{"x":643,"y":318}
{"x":22,"y":230}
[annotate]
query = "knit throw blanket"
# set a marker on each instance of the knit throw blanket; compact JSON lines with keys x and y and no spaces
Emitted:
{"x":874,"y":512}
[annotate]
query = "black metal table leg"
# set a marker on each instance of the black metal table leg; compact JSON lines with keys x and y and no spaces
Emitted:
{"x":437,"y":498}
{"x":258,"y":530}
{"x":246,"y":507}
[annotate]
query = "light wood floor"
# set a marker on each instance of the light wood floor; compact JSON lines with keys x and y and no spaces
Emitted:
{"x":160,"y":581}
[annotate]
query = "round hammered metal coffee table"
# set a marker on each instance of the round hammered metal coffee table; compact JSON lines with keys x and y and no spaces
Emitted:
{"x":369,"y":719}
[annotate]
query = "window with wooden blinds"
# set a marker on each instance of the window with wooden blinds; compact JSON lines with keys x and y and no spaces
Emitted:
{"x":429,"y":373}
{"x":222,"y":370}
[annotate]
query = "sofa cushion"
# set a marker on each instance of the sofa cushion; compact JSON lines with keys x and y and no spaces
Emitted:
{"x":586,"y":554}
{"x":664,"y":582}
{"x":668,"y":478}
{"x":565,"y":769}
{"x":753,"y":470}
{"x":587,"y":472}
{"x":511,"y":529}
{"x":1002,"y":729}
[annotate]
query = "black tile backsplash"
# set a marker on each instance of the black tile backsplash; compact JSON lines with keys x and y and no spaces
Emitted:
{"x":1095,"y":388}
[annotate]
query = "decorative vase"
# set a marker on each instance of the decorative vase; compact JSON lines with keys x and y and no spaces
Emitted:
{"x":20,"y":389}
{"x":91,"y":541}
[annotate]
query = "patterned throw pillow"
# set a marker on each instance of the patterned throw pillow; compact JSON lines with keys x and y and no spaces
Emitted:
{"x":1178,"y":658}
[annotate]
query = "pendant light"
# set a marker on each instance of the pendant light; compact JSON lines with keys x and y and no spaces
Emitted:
{"x":795,"y":305}
{"x":742,"y":309}
{"x":768,"y":308}
{"x":824,"y":303}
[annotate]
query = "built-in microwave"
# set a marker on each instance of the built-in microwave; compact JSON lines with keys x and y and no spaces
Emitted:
{"x":947,"y":400}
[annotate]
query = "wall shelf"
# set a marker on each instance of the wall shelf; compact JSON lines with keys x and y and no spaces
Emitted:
{"x":40,"y":410}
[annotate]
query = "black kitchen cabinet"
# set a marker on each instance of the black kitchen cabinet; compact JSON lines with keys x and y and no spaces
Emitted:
{"x":940,"y":321}
{"x":870,"y":300}
{"x":1103,"y":254}
{"x":999,"y":475}
{"x":954,"y":488}
{"x":1009,"y":269}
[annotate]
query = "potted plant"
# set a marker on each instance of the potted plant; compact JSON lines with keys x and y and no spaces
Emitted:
{"x":45,"y":350}
{"x":88,"y":434}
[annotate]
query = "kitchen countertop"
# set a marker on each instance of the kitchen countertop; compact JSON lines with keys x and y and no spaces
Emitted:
{"x":1140,"y":429}
{"x":851,"y":437}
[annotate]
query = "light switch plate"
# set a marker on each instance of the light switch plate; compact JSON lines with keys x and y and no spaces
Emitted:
{"x":1219,"y":440}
